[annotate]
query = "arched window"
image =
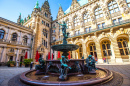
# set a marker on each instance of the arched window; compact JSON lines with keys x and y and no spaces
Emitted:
{"x":93,"y":49}
{"x":2,"y":32}
{"x":98,"y":12}
{"x":86,"y":17}
{"x":123,"y":46}
{"x":25,"y":39}
{"x":106,"y":48}
{"x":14,"y":37}
{"x":113,"y":7}
{"x":128,"y":2}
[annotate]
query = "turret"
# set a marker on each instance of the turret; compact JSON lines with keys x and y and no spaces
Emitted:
{"x":19,"y":19}
{"x":46,"y":6}
{"x":36,"y":8}
{"x":60,"y":12}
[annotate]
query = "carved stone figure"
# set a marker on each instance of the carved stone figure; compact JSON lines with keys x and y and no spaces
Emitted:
{"x":90,"y":63}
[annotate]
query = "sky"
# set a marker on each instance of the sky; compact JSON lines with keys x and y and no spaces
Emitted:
{"x":11,"y":9}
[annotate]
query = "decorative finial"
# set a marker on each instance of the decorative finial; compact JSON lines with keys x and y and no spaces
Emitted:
{"x":59,"y":5}
{"x":37,"y":5}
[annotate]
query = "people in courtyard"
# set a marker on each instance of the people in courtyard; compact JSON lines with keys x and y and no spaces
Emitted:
{"x":17,"y":63}
{"x":31,"y":65}
{"x":104,"y":59}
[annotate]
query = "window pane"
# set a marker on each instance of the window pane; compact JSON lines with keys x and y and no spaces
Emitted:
{"x":119,"y":45}
{"x":109,"y":53}
{"x":94,"y":47}
{"x":121,"y":52}
{"x":103,"y":47}
{"x":108,"y":46}
{"x":127,"y":51}
{"x":91,"y":53}
{"x":90,"y":48}
{"x":104,"y":53}
{"x":125,"y":43}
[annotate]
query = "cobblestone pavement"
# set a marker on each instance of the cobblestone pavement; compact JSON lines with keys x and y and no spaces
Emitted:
{"x":7,"y":73}
{"x":120,"y":68}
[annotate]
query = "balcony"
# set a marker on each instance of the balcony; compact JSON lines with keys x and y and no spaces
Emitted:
{"x":102,"y":28}
{"x":14,"y":42}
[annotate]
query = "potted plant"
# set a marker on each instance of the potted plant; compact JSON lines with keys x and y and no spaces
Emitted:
{"x":27,"y":62}
{"x":11,"y":63}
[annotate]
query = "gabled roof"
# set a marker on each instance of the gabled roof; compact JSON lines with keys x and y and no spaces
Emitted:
{"x":81,"y":2}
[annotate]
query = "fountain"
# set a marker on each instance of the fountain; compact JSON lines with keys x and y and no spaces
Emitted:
{"x":66,"y":72}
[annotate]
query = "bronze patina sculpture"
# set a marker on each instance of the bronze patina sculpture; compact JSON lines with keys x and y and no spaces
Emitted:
{"x":64,"y":68}
{"x":41,"y":67}
{"x":90,"y":63}
{"x":64,"y":27}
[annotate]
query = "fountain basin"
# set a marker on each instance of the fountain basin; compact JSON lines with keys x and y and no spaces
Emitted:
{"x":65,"y":47}
{"x":102,"y":76}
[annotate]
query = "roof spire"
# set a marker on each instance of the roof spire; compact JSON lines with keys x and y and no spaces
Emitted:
{"x":37,"y":5}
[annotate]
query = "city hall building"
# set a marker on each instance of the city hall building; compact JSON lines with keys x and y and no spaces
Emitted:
{"x":100,"y":27}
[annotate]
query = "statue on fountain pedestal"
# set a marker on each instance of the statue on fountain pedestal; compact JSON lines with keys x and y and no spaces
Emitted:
{"x":90,"y":64}
{"x":64,"y":69}
{"x":64,"y":27}
{"x":40,"y":68}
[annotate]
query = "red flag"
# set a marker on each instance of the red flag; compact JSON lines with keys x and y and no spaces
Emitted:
{"x":49,"y":56}
{"x":59,"y":54}
{"x":37,"y":56}
{"x":26,"y":56}
{"x":52,"y":56}
{"x":69,"y":55}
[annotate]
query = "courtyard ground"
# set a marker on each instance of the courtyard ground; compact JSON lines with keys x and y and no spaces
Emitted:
{"x":6,"y":73}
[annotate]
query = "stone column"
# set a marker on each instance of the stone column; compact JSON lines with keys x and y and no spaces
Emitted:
{"x":7,"y":34}
{"x":99,"y":54}
{"x":28,"y":54}
{"x":84,"y":50}
{"x":129,"y":46}
{"x":73,"y":55}
{"x":116,"y":51}
{"x":17,"y":55}
{"x":3,"y":55}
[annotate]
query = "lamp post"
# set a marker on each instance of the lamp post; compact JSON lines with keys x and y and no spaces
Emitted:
{"x":107,"y":56}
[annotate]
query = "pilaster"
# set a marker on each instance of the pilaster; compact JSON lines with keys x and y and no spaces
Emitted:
{"x":116,"y":51}
{"x":3,"y":55}
{"x":84,"y":50}
{"x":99,"y":54}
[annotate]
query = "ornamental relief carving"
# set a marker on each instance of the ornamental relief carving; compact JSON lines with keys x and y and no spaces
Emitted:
{"x":124,"y":6}
{"x":92,"y":16}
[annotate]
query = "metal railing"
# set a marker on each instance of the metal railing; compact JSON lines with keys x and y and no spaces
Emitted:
{"x":94,"y":30}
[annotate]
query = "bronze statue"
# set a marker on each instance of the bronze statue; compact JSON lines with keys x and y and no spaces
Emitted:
{"x":41,"y":65}
{"x":64,"y":27}
{"x":64,"y":68}
{"x":90,"y":63}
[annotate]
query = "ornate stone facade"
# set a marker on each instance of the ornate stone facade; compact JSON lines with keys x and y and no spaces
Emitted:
{"x":15,"y":41}
{"x":100,"y":27}
{"x":107,"y":36}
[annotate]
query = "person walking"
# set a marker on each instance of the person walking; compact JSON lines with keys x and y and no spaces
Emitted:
{"x":17,"y":63}
{"x":31,"y":65}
